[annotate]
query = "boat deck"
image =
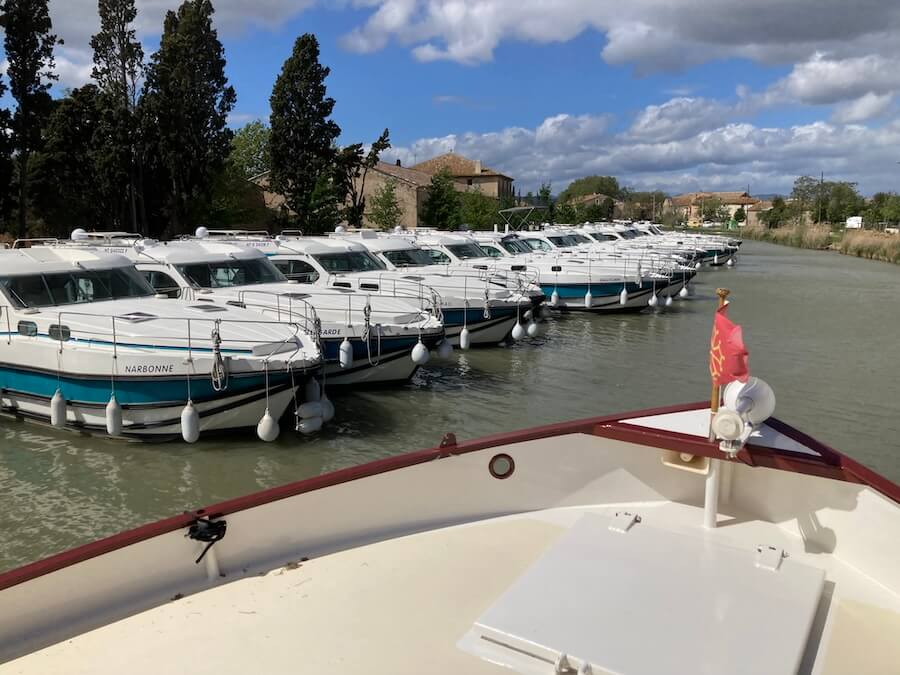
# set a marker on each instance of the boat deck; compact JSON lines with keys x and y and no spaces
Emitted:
{"x":405,"y":605}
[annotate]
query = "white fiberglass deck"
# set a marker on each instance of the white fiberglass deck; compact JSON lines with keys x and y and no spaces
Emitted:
{"x":406,"y":605}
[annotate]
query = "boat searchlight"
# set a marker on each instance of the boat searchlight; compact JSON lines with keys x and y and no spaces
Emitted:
{"x":746,"y":405}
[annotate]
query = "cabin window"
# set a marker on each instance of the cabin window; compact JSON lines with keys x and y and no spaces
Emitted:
{"x":466,"y":251}
{"x":297,"y":270}
{"x":439,"y":257}
{"x":163,"y":283}
{"x":226,"y":273}
{"x":515,"y":246}
{"x":492,"y":251}
{"x":59,"y":332}
{"x":409,"y":257}
{"x":538,"y":244}
{"x":27,"y":328}
{"x":351,"y":261}
{"x":68,"y":288}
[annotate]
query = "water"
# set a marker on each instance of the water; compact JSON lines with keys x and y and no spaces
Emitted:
{"x":821,"y":329}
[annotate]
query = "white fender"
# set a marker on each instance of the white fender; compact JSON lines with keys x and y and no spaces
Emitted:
{"x":668,"y":301}
{"x":534,"y":329}
{"x":113,"y":417}
{"x":310,"y":425}
{"x":346,"y":356}
{"x":554,"y":298}
{"x":327,"y":409}
{"x":518,"y":331}
{"x":58,"y":409}
{"x":465,"y":340}
{"x":312,"y":391}
{"x":683,"y":293}
{"x":588,"y":300}
{"x":653,"y":301}
{"x":420,"y":354}
{"x":268,"y":428}
{"x":623,"y":297}
{"x":190,"y":423}
{"x":311,"y":409}
{"x":445,"y":349}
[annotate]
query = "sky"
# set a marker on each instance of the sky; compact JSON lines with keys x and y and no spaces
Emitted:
{"x":677,"y":95}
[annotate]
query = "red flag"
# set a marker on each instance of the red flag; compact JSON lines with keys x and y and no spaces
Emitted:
{"x":727,"y":353}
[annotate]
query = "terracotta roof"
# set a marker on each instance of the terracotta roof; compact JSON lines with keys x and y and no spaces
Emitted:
{"x":457,"y":165}
{"x":762,"y":205}
{"x":584,"y":199}
{"x":412,"y":176}
{"x":725,"y":197}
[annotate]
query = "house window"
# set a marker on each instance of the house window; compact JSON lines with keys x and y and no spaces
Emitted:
{"x":468,"y":181}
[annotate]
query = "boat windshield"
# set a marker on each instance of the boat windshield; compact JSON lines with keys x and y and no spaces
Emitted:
{"x":515,"y":246}
{"x":626,"y":234}
{"x":580,"y":239}
{"x":409,"y":257}
{"x":564,"y":241}
{"x":349,"y":261}
{"x":601,"y":236}
{"x":466,"y":251}
{"x":227,"y":273}
{"x":75,"y":287}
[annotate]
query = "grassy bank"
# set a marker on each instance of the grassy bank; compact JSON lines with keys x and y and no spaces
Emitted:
{"x":863,"y":244}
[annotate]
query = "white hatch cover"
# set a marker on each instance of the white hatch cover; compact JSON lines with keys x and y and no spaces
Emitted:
{"x":645,"y":601}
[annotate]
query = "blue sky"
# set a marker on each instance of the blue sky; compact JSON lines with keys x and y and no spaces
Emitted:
{"x":676,"y":95}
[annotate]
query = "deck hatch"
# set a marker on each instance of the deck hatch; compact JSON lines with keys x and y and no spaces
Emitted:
{"x":650,"y":601}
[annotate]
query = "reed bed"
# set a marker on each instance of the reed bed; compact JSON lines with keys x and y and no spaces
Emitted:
{"x":800,"y":236}
{"x":872,"y":245}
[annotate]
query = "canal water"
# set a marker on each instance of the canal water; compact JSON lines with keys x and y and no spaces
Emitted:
{"x":821,"y":328}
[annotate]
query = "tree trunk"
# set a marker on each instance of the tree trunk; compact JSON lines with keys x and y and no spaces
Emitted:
{"x":23,"y":193}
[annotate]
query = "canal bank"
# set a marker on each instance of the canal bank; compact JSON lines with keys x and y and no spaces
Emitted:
{"x":859,"y":243}
{"x":819,"y":329}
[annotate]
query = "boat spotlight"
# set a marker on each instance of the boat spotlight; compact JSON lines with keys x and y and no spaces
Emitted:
{"x":745,"y":406}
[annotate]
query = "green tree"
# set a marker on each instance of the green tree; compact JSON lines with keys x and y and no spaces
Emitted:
{"x":567,"y":213}
{"x":118,"y":67}
{"x":184,"y":108}
{"x":66,"y":189}
{"x":385,"y":211}
{"x":545,"y":196}
{"x":6,"y":163}
{"x":29,"y":45}
{"x":843,"y":201}
{"x":590,"y":185}
{"x":477,"y":210}
{"x":250,"y":149}
{"x":352,"y":170}
{"x":301,"y":143}
{"x":714,"y":210}
{"x":777,"y":215}
{"x":442,"y":207}
{"x":740,"y":215}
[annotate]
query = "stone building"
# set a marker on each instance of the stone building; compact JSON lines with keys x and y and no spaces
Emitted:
{"x":471,"y":173}
{"x":690,"y":205}
{"x":411,"y":183}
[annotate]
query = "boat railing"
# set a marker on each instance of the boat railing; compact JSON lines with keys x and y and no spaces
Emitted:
{"x":346,"y":305}
{"x":32,"y":241}
{"x":391,"y":285}
{"x":111,"y":330}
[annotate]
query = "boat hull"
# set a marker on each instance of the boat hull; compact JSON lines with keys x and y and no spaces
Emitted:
{"x":371,"y":366}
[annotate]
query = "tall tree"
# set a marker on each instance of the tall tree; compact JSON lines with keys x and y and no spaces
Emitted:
{"x":250,"y":149}
{"x":302,"y":140}
{"x":353,"y":168}
{"x":441,"y":208}
{"x":118,"y":67}
{"x":386,"y":211}
{"x":29,"y":46}
{"x":184,"y":109}
{"x":6,"y":164}
{"x":477,"y":210}
{"x":67,"y":190}
{"x":589,"y":185}
{"x":545,"y":194}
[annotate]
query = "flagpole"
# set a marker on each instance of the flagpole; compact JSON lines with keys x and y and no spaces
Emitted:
{"x":716,"y":394}
{"x":711,"y":493}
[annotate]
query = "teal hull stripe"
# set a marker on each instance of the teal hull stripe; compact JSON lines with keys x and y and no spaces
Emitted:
{"x":130,"y":391}
{"x":136,"y":345}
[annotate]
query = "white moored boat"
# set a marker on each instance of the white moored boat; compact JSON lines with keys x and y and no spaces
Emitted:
{"x":87,"y":344}
{"x":620,"y":544}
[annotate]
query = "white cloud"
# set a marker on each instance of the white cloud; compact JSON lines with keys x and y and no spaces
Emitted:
{"x":652,"y":35}
{"x":729,"y":156}
{"x":865,"y":107}
{"x":678,"y":118}
{"x":823,"y":79}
